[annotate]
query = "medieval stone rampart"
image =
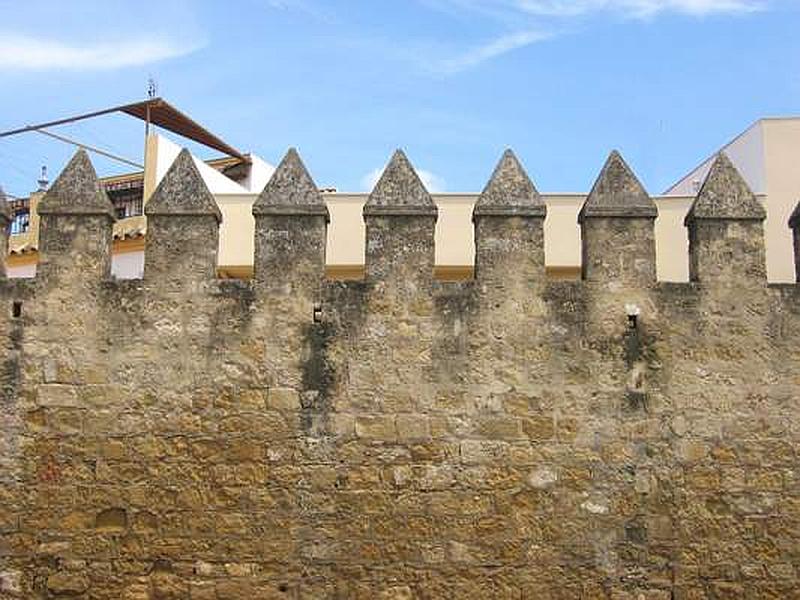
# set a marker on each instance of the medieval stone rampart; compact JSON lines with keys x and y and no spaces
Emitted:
{"x":182,"y":437}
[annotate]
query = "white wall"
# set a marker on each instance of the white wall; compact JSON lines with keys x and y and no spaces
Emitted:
{"x":258,"y":176}
{"x":672,"y":238}
{"x":128,"y":265}
{"x":746,"y":152}
{"x":218,"y":183}
{"x":21,"y":271}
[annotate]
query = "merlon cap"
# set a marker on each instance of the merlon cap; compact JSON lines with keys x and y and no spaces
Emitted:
{"x":509,"y":192}
{"x":400,"y":191}
{"x":77,"y":191}
{"x":291,"y":191}
{"x":725,"y":195}
{"x":617,"y":193}
{"x":182,"y":191}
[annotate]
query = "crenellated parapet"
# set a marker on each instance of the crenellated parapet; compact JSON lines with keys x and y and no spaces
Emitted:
{"x":726,"y":230}
{"x":75,"y":232}
{"x":400,"y":219}
{"x":617,"y":221}
{"x":509,"y":228}
{"x":182,"y":226}
{"x":291,"y":226}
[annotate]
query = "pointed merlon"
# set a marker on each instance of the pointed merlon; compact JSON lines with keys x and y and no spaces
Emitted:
{"x":291,"y":191}
{"x":617,"y":193}
{"x":725,"y":195}
{"x":510,"y":192}
{"x":794,"y":220}
{"x":182,"y":191}
{"x":77,"y":191}
{"x":399,"y":191}
{"x":5,"y":209}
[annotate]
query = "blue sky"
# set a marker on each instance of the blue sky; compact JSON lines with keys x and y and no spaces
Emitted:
{"x":453,"y":82}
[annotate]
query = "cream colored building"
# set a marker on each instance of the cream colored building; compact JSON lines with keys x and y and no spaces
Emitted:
{"x":767,"y":154}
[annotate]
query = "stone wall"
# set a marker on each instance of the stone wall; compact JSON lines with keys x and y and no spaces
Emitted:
{"x":181,"y":437}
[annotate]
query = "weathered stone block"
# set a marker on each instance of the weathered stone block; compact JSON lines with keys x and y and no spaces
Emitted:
{"x":75,"y":227}
{"x":483,"y":451}
{"x":283,"y":399}
{"x":112,"y":520}
{"x":10,"y":582}
{"x":57,"y":395}
{"x":412,"y":427}
{"x":67,"y":584}
{"x":376,"y":427}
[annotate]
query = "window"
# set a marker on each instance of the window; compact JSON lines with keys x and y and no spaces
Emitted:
{"x":128,"y":207}
{"x":126,"y":198}
{"x":21,"y":221}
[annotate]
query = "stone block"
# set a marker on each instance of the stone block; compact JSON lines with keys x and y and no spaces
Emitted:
{"x":67,"y":584}
{"x":286,"y":399}
{"x":412,"y":427}
{"x":483,"y":451}
{"x":377,"y":428}
{"x":57,"y":395}
{"x":499,"y":427}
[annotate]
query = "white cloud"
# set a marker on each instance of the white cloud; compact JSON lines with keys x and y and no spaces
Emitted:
{"x":533,"y":21}
{"x":508,"y":9}
{"x":637,"y":8}
{"x":302,"y":7}
{"x":538,"y":20}
{"x":26,"y":53}
{"x":433,"y":183}
{"x":493,"y":49}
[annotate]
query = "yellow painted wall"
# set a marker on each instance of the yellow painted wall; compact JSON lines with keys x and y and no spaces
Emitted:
{"x":454,"y":231}
{"x":455,"y":245}
{"x":236,"y":244}
{"x":672,"y":239}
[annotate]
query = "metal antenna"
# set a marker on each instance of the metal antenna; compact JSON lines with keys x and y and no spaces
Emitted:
{"x":43,"y":181}
{"x":152,"y":88}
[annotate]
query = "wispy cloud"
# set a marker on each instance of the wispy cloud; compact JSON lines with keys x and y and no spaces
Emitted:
{"x":433,"y":183}
{"x":636,"y":8}
{"x":303,"y":7}
{"x":497,"y":47}
{"x":534,"y":21}
{"x":29,"y":53}
{"x":509,"y":9}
